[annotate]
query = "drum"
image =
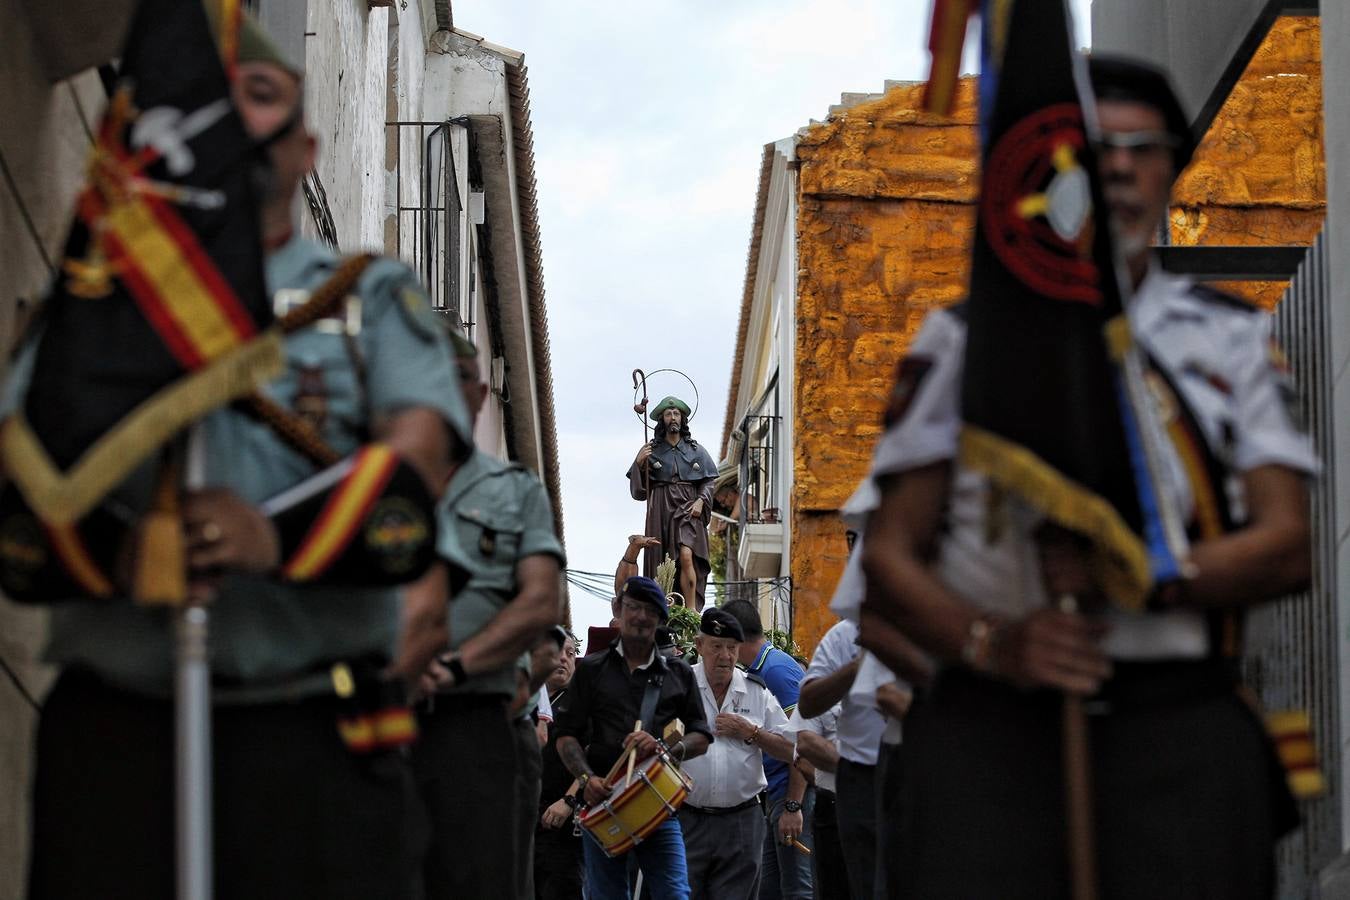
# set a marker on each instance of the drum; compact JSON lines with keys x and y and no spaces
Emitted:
{"x":633,"y":812}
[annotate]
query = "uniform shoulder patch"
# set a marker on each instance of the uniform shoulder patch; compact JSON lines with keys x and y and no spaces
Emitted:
{"x":909,"y":375}
{"x":754,"y":678}
{"x":1213,"y":295}
{"x":389,"y":282}
{"x":417,"y":311}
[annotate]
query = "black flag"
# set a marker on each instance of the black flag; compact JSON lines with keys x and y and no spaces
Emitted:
{"x":1045,"y":398}
{"x":155,"y":316}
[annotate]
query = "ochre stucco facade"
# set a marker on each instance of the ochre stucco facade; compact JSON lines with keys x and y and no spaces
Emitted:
{"x":885,"y":215}
{"x":883,"y":234}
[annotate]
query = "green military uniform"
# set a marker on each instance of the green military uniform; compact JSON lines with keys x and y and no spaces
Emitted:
{"x":105,"y":745}
{"x":493,"y":515}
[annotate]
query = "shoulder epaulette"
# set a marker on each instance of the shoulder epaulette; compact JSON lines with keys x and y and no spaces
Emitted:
{"x":959,"y":311}
{"x":1212,"y":295}
{"x":754,"y":678}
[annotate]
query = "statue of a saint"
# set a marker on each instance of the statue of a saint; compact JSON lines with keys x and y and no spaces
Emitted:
{"x":675,"y":475}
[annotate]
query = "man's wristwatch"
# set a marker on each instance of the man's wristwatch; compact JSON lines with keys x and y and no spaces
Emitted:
{"x":582,"y":780}
{"x":792,"y":806}
{"x":572,"y":801}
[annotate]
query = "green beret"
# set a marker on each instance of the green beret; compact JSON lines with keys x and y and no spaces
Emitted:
{"x":670,"y":403}
{"x":254,"y":43}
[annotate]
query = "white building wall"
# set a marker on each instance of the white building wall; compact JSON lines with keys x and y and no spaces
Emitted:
{"x":347,"y":71}
{"x":44,"y":146}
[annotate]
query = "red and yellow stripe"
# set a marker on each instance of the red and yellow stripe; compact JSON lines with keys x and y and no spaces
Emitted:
{"x":1292,"y":733}
{"x":392,"y":727}
{"x":69,"y":546}
{"x":343,"y":514}
{"x":946,"y":41}
{"x":170,"y":276}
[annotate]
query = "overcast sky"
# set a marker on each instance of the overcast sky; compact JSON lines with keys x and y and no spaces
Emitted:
{"x":649,"y":121}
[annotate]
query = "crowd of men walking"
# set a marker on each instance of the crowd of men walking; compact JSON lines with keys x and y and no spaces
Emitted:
{"x":794,"y":782}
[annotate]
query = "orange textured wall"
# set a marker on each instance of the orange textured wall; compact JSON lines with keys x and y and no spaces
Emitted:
{"x":884,"y":217}
{"x":1259,"y":176}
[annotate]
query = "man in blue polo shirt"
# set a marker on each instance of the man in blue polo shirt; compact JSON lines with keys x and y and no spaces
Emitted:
{"x":786,"y":870}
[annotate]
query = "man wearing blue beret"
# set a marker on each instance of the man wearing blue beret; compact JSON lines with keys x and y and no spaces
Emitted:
{"x":612,"y":691}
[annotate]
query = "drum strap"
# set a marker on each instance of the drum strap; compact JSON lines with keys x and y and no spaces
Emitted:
{"x":650,"y":696}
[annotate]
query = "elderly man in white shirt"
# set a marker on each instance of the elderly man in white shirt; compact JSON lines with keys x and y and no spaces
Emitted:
{"x":722,"y":820}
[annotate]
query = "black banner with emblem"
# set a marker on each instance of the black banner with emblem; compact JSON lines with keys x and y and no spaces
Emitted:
{"x":159,"y":312}
{"x":1040,"y":396}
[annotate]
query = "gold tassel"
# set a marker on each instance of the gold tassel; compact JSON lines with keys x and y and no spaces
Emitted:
{"x":160,"y":577}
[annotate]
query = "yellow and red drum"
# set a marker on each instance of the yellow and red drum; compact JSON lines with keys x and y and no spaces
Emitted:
{"x":632,"y":812}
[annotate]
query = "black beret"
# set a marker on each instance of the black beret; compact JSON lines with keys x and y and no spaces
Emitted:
{"x":1122,"y":78}
{"x":722,"y":624}
{"x":646,"y":590}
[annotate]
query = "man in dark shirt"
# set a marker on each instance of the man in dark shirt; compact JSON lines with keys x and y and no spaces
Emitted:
{"x":594,"y":726}
{"x":557,"y":848}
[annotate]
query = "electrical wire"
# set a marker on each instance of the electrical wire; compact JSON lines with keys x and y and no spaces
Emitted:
{"x":23,"y":212}
{"x":19,"y":685}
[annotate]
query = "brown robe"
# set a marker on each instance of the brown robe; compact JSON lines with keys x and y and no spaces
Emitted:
{"x":668,"y":518}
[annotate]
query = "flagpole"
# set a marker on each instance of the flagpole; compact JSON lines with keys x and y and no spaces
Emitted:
{"x":1080,"y":829}
{"x":192,"y":727}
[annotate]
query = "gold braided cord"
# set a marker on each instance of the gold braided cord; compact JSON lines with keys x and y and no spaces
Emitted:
{"x":1120,"y":557}
{"x":64,"y":498}
{"x":295,"y":431}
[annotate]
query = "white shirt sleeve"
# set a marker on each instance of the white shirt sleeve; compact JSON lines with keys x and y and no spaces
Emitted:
{"x":775,"y":720}
{"x":1264,"y":394}
{"x":545,"y":706}
{"x":929,"y":425}
{"x":835,"y":650}
{"x":871,"y":675}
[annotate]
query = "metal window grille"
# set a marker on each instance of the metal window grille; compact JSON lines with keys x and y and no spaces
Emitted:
{"x":759,"y":470}
{"x":1292,"y":657}
{"x":429,"y":227}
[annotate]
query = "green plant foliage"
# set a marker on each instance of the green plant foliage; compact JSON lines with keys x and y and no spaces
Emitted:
{"x":717,"y":556}
{"x":684,"y":625}
{"x":783,"y":641}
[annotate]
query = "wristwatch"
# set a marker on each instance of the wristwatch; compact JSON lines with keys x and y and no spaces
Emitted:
{"x":571,"y":800}
{"x":792,"y":806}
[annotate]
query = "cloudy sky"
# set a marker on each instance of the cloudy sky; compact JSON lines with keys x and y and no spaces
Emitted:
{"x":649,"y":121}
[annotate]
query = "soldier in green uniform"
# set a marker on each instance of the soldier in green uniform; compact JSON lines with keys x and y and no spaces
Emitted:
{"x":304,"y":808}
{"x":502,"y":564}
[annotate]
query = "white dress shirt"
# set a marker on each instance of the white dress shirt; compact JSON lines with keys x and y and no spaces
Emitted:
{"x":827,"y":726}
{"x":732,"y":771}
{"x":872,"y":674}
{"x":1220,"y":360}
{"x":860,"y":724}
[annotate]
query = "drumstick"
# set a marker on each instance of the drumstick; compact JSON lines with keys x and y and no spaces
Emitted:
{"x":801,"y":848}
{"x":632,"y":755}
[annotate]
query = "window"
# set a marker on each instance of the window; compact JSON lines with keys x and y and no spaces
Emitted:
{"x":429,"y":228}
